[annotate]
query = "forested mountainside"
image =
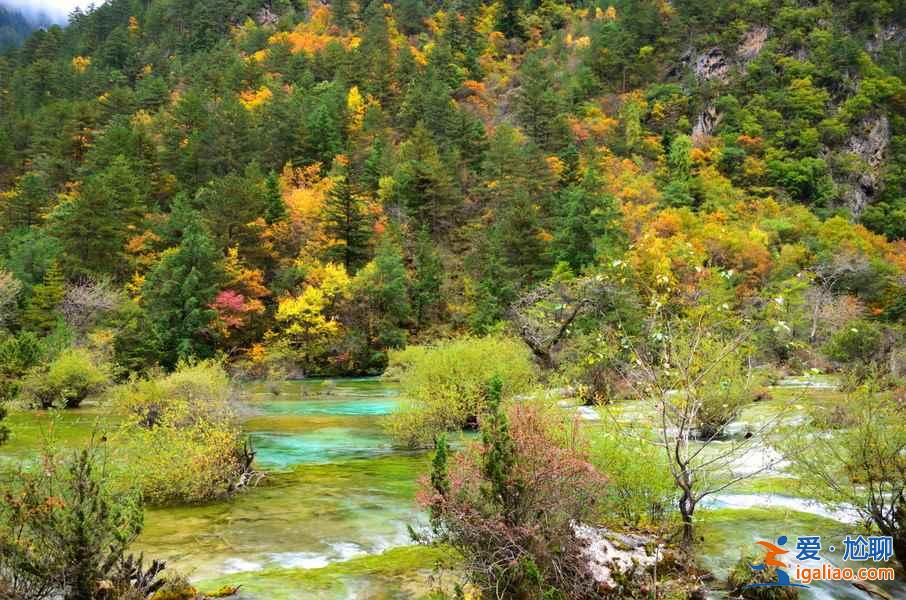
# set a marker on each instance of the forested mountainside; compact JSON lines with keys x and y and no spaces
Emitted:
{"x":302,"y":186}
{"x":15,"y":27}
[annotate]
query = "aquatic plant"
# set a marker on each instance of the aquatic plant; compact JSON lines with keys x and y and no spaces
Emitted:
{"x":182,"y":438}
{"x":444,"y":384}
{"x":66,"y":382}
{"x":742,"y":575}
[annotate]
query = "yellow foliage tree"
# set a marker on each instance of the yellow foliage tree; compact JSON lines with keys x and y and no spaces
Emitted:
{"x":308,"y":322}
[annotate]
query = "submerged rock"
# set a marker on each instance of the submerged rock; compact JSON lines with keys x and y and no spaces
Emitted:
{"x":616,"y":560}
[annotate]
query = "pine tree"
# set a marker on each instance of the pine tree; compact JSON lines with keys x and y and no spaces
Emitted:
{"x":508,"y":21}
{"x":425,"y":188}
{"x":524,"y":250}
{"x":4,"y":430}
{"x":276,"y":208}
{"x":31,"y":199}
{"x":429,"y":272}
{"x":381,"y":286}
{"x":346,"y":222}
{"x":95,"y":225}
{"x":499,"y":458}
{"x":178,"y":292}
{"x":41,"y":314}
{"x":538,"y":105}
{"x":440,"y":479}
{"x":588,"y":223}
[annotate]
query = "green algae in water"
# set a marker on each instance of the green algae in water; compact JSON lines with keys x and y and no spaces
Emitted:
{"x":402,"y":572}
{"x":67,"y":429}
{"x":310,"y":515}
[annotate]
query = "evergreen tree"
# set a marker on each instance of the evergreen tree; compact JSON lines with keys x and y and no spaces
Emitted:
{"x":499,"y":458}
{"x":538,"y":105}
{"x":521,"y":239}
{"x":429,"y":272}
{"x":276,"y":208}
{"x":440,"y":478}
{"x":4,"y":430}
{"x":32,"y":197}
{"x":588,"y":223}
{"x":323,"y":126}
{"x":346,"y":222}
{"x":178,"y":292}
{"x":424,"y":186}
{"x":95,"y":225}
{"x":381,"y":287}
{"x":232,"y":208}
{"x":41,"y":314}
{"x":508,"y":20}
{"x":376,"y":55}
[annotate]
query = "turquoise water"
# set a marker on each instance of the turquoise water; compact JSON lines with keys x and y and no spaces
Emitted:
{"x":330,"y":518}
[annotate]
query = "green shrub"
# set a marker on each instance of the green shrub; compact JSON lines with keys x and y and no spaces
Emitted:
{"x":71,"y":377}
{"x":858,"y":341}
{"x":443,"y":385}
{"x":181,"y":436}
{"x":63,"y":529}
{"x":640,"y":490}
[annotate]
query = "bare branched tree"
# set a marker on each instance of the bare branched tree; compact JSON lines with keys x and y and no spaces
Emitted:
{"x":680,"y":382}
{"x":543,"y":316}
{"x":10,"y":288}
{"x":826,"y":279}
{"x":86,"y":300}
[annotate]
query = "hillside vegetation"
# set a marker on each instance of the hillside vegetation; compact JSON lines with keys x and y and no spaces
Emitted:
{"x":518,"y":209}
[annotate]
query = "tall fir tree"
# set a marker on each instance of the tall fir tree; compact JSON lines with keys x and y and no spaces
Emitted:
{"x":95,"y":225}
{"x":588,"y":223}
{"x":424,"y":186}
{"x":178,"y":292}
{"x":427,"y":279}
{"x":382,"y":289}
{"x":346,"y":221}
{"x":42,"y":314}
{"x":31,"y":199}
{"x":538,"y":105}
{"x":275,"y":207}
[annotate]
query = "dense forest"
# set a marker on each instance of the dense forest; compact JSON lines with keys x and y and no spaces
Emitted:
{"x":603,"y":197}
{"x":324,"y":183}
{"x":16,"y":26}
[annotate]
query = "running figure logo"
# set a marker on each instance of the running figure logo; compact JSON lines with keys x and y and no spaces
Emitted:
{"x":770,"y":560}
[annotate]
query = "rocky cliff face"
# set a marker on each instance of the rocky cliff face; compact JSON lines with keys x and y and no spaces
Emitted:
{"x":869,"y":145}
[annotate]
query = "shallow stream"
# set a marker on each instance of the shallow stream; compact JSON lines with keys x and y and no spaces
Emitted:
{"x":330,"y":518}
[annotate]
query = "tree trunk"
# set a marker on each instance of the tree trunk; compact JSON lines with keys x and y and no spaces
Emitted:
{"x":687,"y":507}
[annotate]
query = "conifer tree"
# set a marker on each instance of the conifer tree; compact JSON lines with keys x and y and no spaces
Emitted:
{"x":95,"y":225}
{"x":276,"y":208}
{"x":429,"y":272}
{"x":346,"y":222}
{"x":508,"y":20}
{"x":41,"y":313}
{"x":425,"y":188}
{"x":31,"y":199}
{"x":382,"y":288}
{"x":588,"y":223}
{"x":499,"y":457}
{"x":178,"y":292}
{"x":538,"y":105}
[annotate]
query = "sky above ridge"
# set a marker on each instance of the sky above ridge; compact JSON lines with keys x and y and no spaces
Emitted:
{"x":58,"y":10}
